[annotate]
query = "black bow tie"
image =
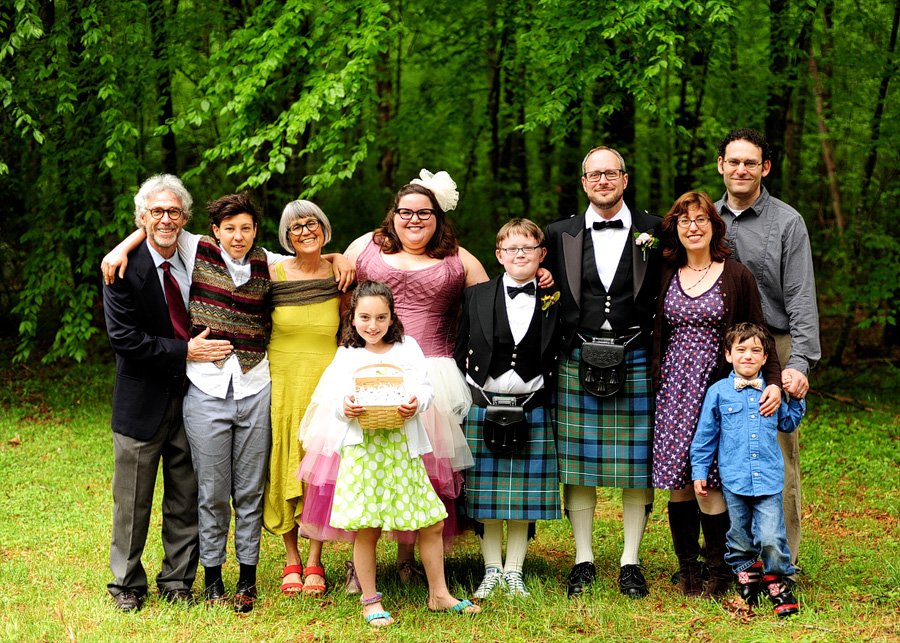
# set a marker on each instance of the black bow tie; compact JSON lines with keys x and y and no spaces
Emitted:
{"x":603,"y":225}
{"x":528,"y":289}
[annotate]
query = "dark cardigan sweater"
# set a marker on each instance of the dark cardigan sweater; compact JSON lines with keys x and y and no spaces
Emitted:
{"x":742,"y":304}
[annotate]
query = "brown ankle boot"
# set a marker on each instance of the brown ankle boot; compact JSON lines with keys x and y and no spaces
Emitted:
{"x":684,"y":522}
{"x":721,"y":577}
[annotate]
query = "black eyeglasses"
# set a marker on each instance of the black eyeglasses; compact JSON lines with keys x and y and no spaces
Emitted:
{"x":406,"y":214}
{"x":611,"y":175}
{"x":174,"y":213}
{"x":297,"y":228}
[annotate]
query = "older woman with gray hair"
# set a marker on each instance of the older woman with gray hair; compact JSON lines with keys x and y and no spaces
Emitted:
{"x":305,"y":321}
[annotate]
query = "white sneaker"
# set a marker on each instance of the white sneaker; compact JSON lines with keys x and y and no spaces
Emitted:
{"x":515,"y":586}
{"x":492,"y":578}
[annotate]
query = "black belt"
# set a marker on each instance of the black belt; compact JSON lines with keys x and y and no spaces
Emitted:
{"x":528,"y":400}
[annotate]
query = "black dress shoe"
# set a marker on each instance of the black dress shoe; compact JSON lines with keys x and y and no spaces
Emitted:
{"x":128,"y":601}
{"x":244,"y":598}
{"x":581,"y":576}
{"x":177,"y":596}
{"x":632,"y":582}
{"x":214,"y":594}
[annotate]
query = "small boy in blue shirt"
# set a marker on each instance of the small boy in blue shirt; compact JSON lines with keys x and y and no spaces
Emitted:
{"x":752,"y":468}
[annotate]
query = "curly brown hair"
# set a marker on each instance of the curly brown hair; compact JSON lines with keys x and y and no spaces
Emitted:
{"x":673,"y":251}
{"x":349,"y":336}
{"x":443,"y":242}
{"x":229,"y":206}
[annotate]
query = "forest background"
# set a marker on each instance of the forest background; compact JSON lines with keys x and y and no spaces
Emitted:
{"x":343,"y":102}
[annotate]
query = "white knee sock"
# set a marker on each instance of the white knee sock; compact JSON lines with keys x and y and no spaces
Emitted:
{"x":580,"y":505}
{"x":636,"y":506}
{"x":516,"y":544}
{"x":492,"y":543}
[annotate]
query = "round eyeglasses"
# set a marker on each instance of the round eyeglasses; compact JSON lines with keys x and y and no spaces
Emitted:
{"x":310,"y":226}
{"x":174,"y":213}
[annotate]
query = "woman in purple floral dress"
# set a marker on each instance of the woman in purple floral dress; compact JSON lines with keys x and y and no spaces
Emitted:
{"x":703,"y":293}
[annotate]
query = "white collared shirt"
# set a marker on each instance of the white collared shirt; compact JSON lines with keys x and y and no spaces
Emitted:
{"x":519,"y":313}
{"x":609,"y":243}
{"x":177,"y":269}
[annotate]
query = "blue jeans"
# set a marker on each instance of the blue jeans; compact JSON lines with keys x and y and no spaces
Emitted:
{"x":757,"y":530}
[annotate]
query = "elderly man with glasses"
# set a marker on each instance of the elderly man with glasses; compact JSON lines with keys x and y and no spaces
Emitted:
{"x":147,"y":322}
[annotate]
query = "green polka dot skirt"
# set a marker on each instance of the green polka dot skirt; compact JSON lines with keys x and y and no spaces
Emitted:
{"x":379,"y":485}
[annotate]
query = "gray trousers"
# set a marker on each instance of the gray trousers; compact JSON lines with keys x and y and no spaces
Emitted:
{"x":790,"y":451}
{"x":134,"y":478}
{"x":230,"y":441}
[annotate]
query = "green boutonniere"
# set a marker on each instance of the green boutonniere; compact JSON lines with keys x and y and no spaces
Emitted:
{"x":549,"y":300}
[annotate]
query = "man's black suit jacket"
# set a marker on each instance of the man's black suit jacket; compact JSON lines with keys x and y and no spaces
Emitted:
{"x":475,"y":337}
{"x":565,"y":248}
{"x":150,"y":362}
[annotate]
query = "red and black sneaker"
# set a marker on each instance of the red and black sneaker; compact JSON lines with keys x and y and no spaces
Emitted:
{"x":749,"y":580}
{"x":781,"y":593}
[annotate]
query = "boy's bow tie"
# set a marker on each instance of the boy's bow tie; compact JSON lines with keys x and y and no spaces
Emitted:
{"x":741,"y":383}
{"x":513,"y":291}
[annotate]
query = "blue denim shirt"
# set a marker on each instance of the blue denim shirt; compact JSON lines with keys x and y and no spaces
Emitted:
{"x":749,"y":457}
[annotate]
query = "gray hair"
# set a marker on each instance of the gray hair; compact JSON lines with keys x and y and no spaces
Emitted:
{"x":602,"y":148}
{"x":161,"y":183}
{"x":296,"y":210}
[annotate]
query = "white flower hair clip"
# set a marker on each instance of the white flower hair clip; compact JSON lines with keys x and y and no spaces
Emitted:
{"x":442,"y":186}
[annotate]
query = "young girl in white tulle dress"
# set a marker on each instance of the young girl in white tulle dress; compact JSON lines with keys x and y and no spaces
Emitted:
{"x":380,"y":483}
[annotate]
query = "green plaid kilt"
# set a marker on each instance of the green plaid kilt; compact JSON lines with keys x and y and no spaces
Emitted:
{"x":605,"y":442}
{"x":524,"y":486}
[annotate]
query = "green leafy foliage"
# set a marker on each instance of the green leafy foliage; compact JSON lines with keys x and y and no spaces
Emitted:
{"x":344,"y":102}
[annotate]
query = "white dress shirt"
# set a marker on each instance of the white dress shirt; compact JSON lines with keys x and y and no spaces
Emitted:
{"x":519,"y":312}
{"x":609,"y":243}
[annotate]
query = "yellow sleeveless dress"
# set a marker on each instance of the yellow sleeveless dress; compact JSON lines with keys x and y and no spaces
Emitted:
{"x":302,"y":345}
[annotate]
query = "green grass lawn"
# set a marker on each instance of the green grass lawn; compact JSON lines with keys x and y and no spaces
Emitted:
{"x":56,"y":467}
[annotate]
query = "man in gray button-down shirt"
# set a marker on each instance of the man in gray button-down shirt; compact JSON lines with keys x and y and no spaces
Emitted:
{"x":770,"y":238}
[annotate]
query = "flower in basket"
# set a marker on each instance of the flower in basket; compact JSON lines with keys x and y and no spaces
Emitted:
{"x":646,"y":241}
{"x":549,"y":300}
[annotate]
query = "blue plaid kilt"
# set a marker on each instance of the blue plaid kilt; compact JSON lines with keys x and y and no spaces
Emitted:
{"x":605,"y":442}
{"x":524,"y":486}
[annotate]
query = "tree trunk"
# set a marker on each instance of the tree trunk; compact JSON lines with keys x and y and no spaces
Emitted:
{"x":161,"y":14}
{"x":827,"y":150}
{"x":865,"y":199}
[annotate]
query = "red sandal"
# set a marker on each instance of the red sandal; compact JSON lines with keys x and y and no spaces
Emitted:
{"x":291,"y":589}
{"x":313,"y":590}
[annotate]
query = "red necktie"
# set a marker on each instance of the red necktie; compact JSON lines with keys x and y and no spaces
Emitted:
{"x":177,"y":311}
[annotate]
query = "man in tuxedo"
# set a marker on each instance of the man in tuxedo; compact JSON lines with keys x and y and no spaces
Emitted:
{"x":608,"y":277}
{"x":770,"y":238}
{"x":147,"y":323}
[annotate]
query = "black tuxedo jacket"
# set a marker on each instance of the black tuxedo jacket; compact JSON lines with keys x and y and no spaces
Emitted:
{"x":150,"y":362}
{"x":565,"y":246}
{"x":475,"y":337}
